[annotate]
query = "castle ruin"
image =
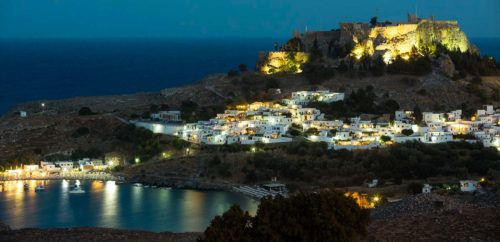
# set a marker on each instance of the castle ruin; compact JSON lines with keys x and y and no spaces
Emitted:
{"x":387,"y":39}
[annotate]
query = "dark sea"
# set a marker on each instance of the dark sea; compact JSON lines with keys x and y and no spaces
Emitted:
{"x":56,"y":69}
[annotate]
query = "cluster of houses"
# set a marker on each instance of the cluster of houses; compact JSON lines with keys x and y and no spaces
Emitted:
{"x":465,"y":186}
{"x":269,"y":122}
{"x":264,"y":122}
{"x":435,"y":128}
{"x":48,"y":168}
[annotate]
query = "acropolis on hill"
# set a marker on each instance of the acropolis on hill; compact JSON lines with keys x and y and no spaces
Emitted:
{"x":388,"y":39}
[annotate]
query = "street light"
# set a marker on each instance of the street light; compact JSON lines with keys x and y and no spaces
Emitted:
{"x":137,"y":160}
{"x":254,"y":149}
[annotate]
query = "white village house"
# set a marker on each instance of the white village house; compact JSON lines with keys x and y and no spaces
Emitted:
{"x":270,"y":122}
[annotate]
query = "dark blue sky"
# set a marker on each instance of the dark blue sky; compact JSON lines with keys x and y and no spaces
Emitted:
{"x":224,"y":18}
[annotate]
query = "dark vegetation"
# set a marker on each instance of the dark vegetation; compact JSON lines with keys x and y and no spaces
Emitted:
{"x":361,"y":101}
{"x":336,"y":50}
{"x":90,"y":153}
{"x":192,"y":112}
{"x":474,"y":87}
{"x":323,"y":216}
{"x":313,"y":162}
{"x":467,"y":63}
{"x":317,"y":73}
{"x":85,"y":111}
{"x":82,"y":131}
{"x":417,"y":65}
{"x":77,"y":154}
{"x":145,"y":144}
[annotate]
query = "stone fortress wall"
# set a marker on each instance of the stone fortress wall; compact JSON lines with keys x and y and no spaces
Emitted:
{"x":391,"y":39}
{"x":387,"y":39}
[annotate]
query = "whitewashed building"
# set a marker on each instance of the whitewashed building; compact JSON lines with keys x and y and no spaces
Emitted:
{"x":167,"y":116}
{"x":305,"y":97}
{"x":468,"y":185}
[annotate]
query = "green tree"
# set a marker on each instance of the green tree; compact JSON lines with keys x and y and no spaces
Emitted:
{"x":80,"y":132}
{"x":385,"y":138}
{"x":417,"y":114}
{"x":343,"y":67}
{"x":407,"y":132}
{"x":373,"y":21}
{"x":379,"y":67}
{"x":242,"y":68}
{"x":389,"y":106}
{"x":272,"y":83}
{"x":322,"y":216}
{"x":233,"y":225}
{"x":415,"y":188}
{"x":153,"y":108}
{"x":85,"y":111}
{"x":316,"y":55}
{"x":311,"y":131}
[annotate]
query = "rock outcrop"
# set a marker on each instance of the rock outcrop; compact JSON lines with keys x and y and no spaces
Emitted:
{"x":446,"y":65}
{"x":389,"y":39}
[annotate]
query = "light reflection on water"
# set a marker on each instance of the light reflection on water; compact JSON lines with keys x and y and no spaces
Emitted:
{"x":106,"y":204}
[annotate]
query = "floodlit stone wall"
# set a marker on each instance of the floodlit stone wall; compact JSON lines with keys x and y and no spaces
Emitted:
{"x":446,"y":33}
{"x":283,"y":61}
{"x":402,"y":39}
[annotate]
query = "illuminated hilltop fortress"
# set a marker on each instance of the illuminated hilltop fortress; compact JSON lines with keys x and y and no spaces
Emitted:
{"x":387,"y":39}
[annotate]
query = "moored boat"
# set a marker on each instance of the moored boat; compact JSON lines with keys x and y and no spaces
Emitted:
{"x":77,"y":190}
{"x":39,"y":188}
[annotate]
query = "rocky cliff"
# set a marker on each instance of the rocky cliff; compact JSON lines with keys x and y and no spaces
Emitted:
{"x":388,"y":39}
{"x":407,"y":39}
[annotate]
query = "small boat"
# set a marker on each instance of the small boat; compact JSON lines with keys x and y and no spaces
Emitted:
{"x":119,"y":182}
{"x":39,"y":188}
{"x":167,"y":188}
{"x":138,"y":185}
{"x":154,"y":186}
{"x":147,"y":186}
{"x":77,"y":190}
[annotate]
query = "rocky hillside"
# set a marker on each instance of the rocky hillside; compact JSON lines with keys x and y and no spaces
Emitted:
{"x":432,"y":92}
{"x":52,"y":128}
{"x":432,"y":217}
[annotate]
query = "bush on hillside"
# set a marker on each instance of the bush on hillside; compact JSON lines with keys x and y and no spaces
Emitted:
{"x":323,"y":216}
{"x":80,"y":132}
{"x":414,"y":66}
{"x":85,"y":111}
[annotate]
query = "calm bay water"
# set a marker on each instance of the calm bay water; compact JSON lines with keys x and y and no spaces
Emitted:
{"x":115,"y":206}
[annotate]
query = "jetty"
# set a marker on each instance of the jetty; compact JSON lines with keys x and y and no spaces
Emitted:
{"x":266,"y":190}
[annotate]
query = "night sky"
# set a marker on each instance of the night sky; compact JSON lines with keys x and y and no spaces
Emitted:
{"x":224,"y":18}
